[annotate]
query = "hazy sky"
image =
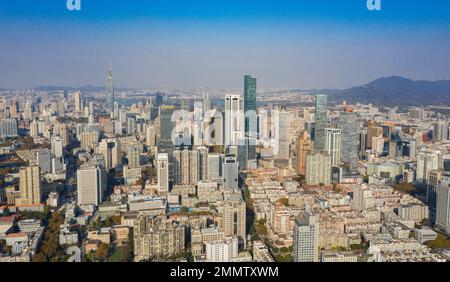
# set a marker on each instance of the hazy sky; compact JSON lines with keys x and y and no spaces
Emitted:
{"x":213,"y":43}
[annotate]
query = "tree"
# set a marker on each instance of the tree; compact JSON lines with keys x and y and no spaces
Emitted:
{"x":284,"y":201}
{"x":102,"y":252}
{"x":2,"y":245}
{"x":116,"y":219}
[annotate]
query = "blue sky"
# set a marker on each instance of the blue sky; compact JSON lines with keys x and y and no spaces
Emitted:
{"x":212,"y":43}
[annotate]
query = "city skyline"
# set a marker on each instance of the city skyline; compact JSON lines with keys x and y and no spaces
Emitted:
{"x":250,"y":131}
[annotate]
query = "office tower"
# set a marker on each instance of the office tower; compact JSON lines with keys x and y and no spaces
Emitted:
{"x":185,"y":105}
{"x":443,"y":204}
{"x":133,"y":156}
{"x":230,"y":172}
{"x":306,"y":238}
{"x":350,"y":138}
{"x":427,"y":160}
{"x":249,"y":99}
{"x":186,"y":166}
{"x":440,"y":130}
{"x":321,"y":121}
{"x":110,"y":99}
{"x":30,"y":185}
{"x":203,"y":163}
{"x":362,"y":143}
{"x":242,"y":153}
{"x":434,"y":180}
{"x":162,"y":164}
{"x":251,"y":128}
{"x":197,"y":124}
{"x":79,"y":105}
{"x":151,"y":135}
{"x":206,"y":103}
{"x":166,"y":126}
{"x":91,"y":183}
{"x":213,"y":133}
{"x":234,"y":218}
{"x":131,"y":126}
{"x":446,"y":163}
{"x":8,"y":127}
{"x":222,"y":250}
{"x":91,"y":108}
{"x":282,"y":136}
{"x":57,"y":146}
{"x":234,"y":120}
{"x":318,"y":168}
{"x":373,"y":131}
{"x":333,"y":139}
{"x":89,"y":140}
{"x":157,"y":238}
{"x":214,"y":164}
{"x":44,"y":160}
{"x":303,"y":149}
{"x":378,"y":145}
{"x":111,"y":151}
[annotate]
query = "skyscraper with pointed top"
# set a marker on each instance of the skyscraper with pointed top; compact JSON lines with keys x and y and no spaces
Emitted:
{"x":110,"y":91}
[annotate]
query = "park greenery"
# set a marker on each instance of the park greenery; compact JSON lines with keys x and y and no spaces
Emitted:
{"x":50,"y":250}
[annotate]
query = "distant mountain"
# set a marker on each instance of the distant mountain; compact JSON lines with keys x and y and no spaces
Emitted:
{"x":51,"y":88}
{"x":395,"y":91}
{"x":87,"y":88}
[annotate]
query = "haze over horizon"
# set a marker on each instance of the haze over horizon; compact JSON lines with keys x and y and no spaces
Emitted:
{"x":184,"y":44}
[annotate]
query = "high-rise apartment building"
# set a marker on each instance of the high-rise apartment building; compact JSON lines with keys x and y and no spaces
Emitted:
{"x":151,"y":134}
{"x":112,"y":153}
{"x":30,"y":185}
{"x":333,"y":143}
{"x":187,"y":166}
{"x":157,"y":238}
{"x":282,"y":136}
{"x":79,"y":102}
{"x":443,"y":204}
{"x":89,"y":140}
{"x":162,"y":164}
{"x":234,"y":218}
{"x":318,"y":168}
{"x":134,"y":156}
{"x":306,"y":238}
{"x":304,"y":147}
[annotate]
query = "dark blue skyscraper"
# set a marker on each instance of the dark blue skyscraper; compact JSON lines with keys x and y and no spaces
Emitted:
{"x":251,"y":130}
{"x":321,"y":122}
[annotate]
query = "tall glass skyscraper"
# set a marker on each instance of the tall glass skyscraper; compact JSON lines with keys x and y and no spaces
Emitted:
{"x":166,"y":126}
{"x":249,"y":97}
{"x":350,"y":138}
{"x":250,"y":119}
{"x":321,"y":122}
{"x":110,"y":91}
